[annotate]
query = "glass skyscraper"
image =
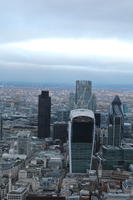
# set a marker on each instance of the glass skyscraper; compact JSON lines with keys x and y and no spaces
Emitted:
{"x":116,"y":122}
{"x":81,"y":140}
{"x":83,"y":93}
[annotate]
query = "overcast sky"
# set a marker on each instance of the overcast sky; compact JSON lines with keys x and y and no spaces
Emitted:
{"x":64,"y":40}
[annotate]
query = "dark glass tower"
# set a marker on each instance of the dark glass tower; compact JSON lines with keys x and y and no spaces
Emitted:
{"x":81,"y":140}
{"x":44,"y":111}
{"x":98,"y":119}
{"x":116,"y":122}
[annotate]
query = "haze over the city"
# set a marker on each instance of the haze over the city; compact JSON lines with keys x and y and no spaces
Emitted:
{"x":60,"y":41}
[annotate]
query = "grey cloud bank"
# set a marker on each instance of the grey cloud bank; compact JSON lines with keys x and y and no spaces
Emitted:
{"x":23,"y":20}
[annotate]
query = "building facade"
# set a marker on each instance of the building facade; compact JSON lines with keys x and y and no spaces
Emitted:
{"x":60,"y":131}
{"x":116,"y":123}
{"x":81,"y":140}
{"x":44,"y":112}
{"x":83,"y":93}
{"x":24,"y":142}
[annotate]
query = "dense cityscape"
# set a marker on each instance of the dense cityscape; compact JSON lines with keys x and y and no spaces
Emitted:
{"x":66,"y":142}
{"x":66,"y":100}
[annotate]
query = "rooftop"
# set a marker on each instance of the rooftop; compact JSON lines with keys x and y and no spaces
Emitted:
{"x":81,"y":112}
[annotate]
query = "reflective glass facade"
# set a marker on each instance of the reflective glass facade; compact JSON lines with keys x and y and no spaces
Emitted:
{"x":81,"y":143}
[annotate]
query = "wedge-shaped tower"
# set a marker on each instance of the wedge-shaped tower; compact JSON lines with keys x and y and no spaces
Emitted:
{"x":81,"y":140}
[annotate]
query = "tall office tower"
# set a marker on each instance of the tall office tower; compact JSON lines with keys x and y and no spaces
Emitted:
{"x":24,"y":142}
{"x":44,"y":111}
{"x":117,"y":131}
{"x":116,"y":122}
{"x":98,"y":130}
{"x":110,"y":134}
{"x":114,"y":132}
{"x":60,"y":131}
{"x":125,"y":108}
{"x":63,"y":115}
{"x":127,"y":130}
{"x":1,"y":127}
{"x":81,"y":140}
{"x":71,"y":100}
{"x":98,"y":119}
{"x":92,"y":103}
{"x":83,"y":93}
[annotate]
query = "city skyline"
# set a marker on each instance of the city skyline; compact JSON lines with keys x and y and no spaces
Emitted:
{"x":78,"y":154}
{"x":49,"y":41}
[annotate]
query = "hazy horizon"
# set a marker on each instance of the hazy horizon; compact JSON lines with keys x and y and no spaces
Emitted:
{"x":63,"y":85}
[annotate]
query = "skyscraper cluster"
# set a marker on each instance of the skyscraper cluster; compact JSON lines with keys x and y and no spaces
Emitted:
{"x":116,"y":152}
{"x":81,"y":125}
{"x":84,"y":130}
{"x":83,"y":98}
